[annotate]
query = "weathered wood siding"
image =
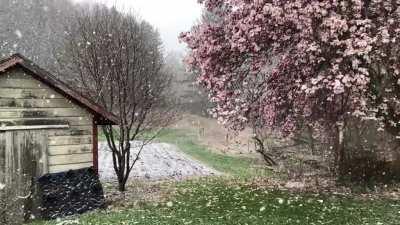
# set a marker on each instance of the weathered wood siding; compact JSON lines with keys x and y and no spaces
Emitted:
{"x":25,"y":101}
{"x":23,"y":153}
{"x":23,"y":156}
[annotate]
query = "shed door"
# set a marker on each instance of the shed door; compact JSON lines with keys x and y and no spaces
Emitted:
{"x":24,"y":153}
{"x":23,"y":157}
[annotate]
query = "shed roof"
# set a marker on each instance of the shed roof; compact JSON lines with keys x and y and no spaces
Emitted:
{"x":102,"y":116}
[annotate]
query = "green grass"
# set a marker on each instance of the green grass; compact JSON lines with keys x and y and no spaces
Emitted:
{"x":230,"y":201}
{"x":208,"y":202}
{"x":243,"y":167}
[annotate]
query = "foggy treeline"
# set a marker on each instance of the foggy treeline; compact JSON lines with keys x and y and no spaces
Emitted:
{"x":38,"y":29}
{"x":192,"y":97}
{"x":34,"y":28}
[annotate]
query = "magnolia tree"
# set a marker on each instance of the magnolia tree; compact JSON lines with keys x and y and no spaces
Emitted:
{"x":286,"y":63}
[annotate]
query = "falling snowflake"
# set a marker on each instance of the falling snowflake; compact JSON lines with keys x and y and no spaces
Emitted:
{"x":18,"y":33}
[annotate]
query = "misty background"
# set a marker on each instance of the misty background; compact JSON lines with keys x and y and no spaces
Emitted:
{"x":37,"y":30}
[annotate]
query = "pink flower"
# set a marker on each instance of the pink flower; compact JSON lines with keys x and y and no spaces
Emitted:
{"x":285,"y":60}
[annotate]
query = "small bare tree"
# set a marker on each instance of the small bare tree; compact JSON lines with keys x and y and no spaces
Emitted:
{"x":120,"y":64}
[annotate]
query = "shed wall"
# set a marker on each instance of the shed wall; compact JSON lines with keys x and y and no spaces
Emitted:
{"x":25,"y":101}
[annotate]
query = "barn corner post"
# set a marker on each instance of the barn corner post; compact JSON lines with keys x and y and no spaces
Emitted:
{"x":95,"y":147}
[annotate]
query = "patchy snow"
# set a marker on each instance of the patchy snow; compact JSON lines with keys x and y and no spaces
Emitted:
{"x":295,"y":185}
{"x":158,"y":161}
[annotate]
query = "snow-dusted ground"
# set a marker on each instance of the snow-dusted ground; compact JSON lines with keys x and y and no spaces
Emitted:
{"x":158,"y":161}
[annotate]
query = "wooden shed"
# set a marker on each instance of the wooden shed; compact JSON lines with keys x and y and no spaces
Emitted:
{"x":44,"y":124}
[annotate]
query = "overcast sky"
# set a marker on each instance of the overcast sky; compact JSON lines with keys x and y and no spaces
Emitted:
{"x":170,"y":17}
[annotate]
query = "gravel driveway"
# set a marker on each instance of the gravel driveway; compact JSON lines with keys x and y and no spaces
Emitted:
{"x":158,"y":161}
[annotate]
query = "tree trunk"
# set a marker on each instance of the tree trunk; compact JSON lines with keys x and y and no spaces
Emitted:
{"x":260,"y":148}
{"x":311,"y":139}
{"x":121,"y":180}
{"x":121,"y":185}
{"x":339,"y":150}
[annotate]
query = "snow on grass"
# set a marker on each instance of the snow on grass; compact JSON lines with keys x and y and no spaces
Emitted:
{"x":158,"y":161}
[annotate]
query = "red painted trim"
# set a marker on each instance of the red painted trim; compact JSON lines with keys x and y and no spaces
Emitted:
{"x":95,"y":148}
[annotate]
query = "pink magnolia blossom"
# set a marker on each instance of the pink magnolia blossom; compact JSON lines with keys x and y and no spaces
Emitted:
{"x":314,"y":61}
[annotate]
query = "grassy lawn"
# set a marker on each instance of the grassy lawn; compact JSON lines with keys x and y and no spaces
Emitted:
{"x":214,"y":202}
{"x":242,"y":167}
{"x":231,"y":201}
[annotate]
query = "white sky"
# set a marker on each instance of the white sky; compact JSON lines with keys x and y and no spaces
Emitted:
{"x":170,"y":17}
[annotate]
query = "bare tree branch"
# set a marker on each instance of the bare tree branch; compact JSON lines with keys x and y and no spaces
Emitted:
{"x":120,"y":64}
